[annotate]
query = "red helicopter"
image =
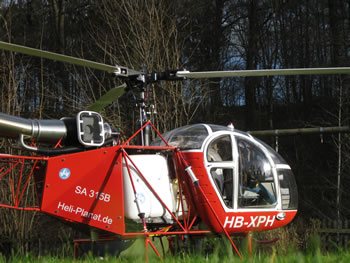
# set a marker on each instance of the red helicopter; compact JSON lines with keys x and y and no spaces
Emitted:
{"x":218,"y":176}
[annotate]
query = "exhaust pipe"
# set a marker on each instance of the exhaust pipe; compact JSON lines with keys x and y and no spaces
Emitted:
{"x":87,"y":129}
{"x":49,"y":131}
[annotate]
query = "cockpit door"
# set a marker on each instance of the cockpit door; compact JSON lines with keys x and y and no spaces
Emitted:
{"x":241,"y":171}
{"x":219,"y":160}
{"x":256,"y":176}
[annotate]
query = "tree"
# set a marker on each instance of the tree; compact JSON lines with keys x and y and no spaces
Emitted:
{"x":144,"y":36}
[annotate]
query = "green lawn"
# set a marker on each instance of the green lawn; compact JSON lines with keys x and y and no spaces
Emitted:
{"x":273,"y":258}
{"x":221,"y":254}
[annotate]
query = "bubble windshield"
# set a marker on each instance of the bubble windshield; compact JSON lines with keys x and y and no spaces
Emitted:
{"x":276,"y":157}
{"x":187,"y":137}
{"x":190,"y":136}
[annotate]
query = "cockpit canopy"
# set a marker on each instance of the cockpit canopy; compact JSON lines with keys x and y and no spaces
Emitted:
{"x":189,"y":137}
{"x":262,"y":177}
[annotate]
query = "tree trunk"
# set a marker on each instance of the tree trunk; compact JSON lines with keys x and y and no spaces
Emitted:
{"x":251,"y":83}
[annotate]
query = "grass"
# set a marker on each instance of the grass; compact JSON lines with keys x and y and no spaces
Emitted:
{"x":294,"y":245}
{"x":221,"y":253}
{"x":193,"y":258}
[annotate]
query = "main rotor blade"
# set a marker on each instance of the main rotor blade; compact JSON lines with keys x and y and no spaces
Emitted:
{"x":121,"y":71}
{"x":262,"y":72}
{"x":286,"y":132}
{"x":108,"y":98}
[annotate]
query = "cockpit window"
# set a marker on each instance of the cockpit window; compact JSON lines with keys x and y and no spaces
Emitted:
{"x":219,"y":155}
{"x":289,"y":193}
{"x":223,"y":180}
{"x":220,"y":149}
{"x":215,"y":128}
{"x":256,"y":181}
{"x":187,"y":137}
{"x":277,"y":158}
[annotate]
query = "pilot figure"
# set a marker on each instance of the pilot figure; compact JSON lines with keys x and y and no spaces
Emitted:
{"x":254,"y":177}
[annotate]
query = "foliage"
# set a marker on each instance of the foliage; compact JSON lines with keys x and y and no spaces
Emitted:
{"x":199,"y":35}
{"x":274,"y":257}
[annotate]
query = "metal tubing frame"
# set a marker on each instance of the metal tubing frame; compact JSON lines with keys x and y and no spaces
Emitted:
{"x":142,"y":128}
{"x":188,"y":222}
{"x":151,"y":189}
{"x":16,"y":191}
{"x":186,"y":226}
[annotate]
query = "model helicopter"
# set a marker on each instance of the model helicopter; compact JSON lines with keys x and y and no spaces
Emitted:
{"x":202,"y":173}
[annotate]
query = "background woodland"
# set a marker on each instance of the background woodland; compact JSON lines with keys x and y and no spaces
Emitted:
{"x":198,"y":35}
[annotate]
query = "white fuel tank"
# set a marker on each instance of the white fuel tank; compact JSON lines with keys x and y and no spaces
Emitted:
{"x":155,"y":169}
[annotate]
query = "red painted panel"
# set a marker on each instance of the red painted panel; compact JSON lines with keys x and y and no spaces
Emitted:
{"x":254,"y":221}
{"x":87,"y":188}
